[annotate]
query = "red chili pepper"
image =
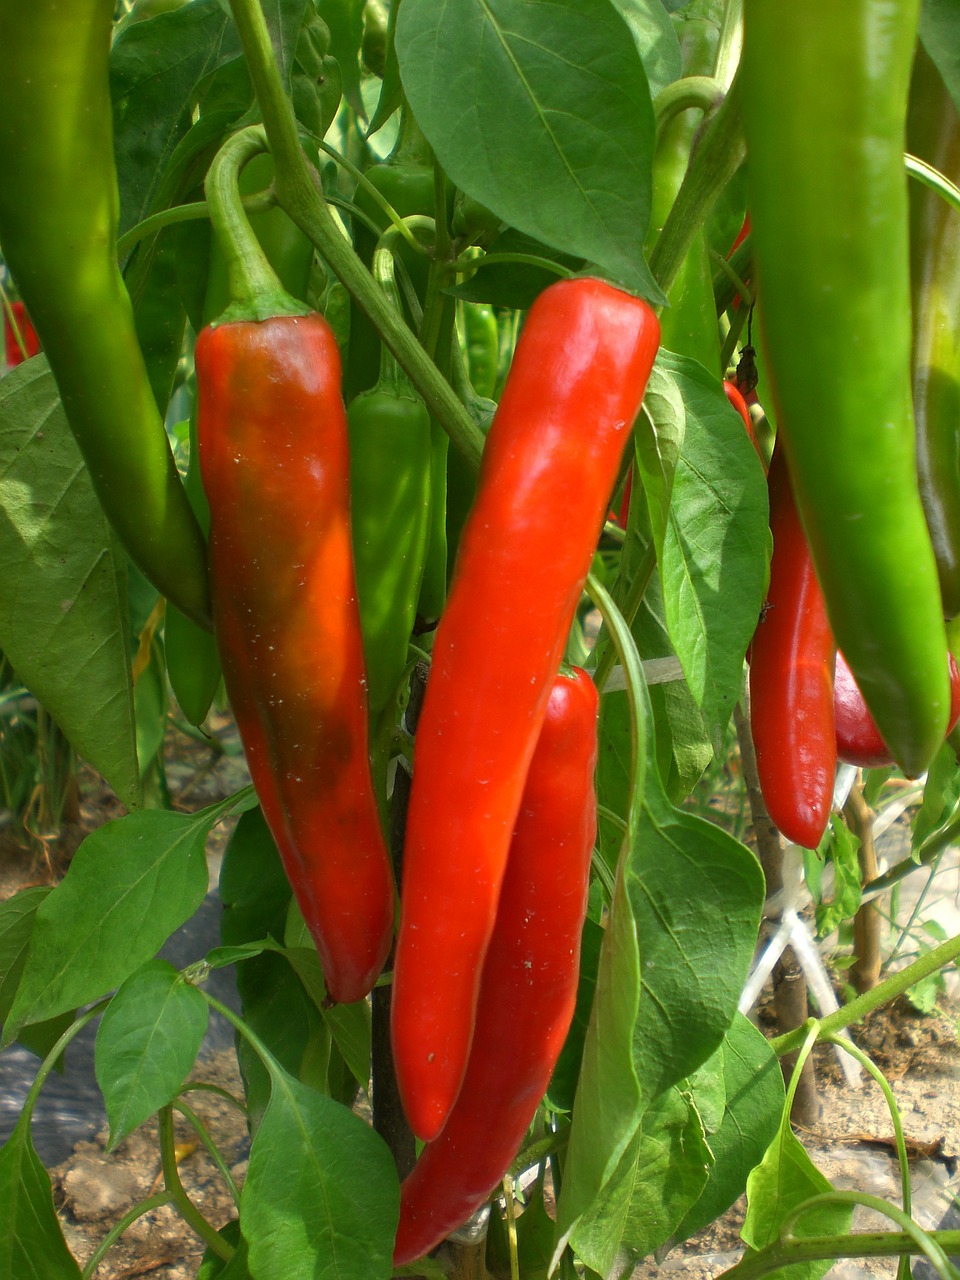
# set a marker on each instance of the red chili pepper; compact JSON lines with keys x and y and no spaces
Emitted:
{"x":736,"y":399}
{"x":273,"y":455}
{"x":529,"y":983}
{"x":31,"y":343}
{"x":858,"y":738}
{"x":791,"y":680}
{"x":551,"y":459}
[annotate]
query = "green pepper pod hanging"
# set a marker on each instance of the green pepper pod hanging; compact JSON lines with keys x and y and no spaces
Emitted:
{"x":58,"y":222}
{"x":390,"y":476}
{"x":824,"y":106}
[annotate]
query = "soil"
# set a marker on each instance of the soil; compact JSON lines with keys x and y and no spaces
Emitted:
{"x":851,"y":1142}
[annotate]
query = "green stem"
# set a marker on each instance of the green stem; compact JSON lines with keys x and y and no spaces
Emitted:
{"x":870,"y":1066}
{"x":866,"y":1244}
{"x":638,"y":587}
{"x":933,"y":178}
{"x":716,"y":158}
{"x":200,"y":1129}
{"x":701,"y":92}
{"x":740,"y":263}
{"x":887,"y":990}
{"x":299,"y":195}
{"x":255,"y":288}
{"x":931,"y":1249}
{"x":156,"y":1201}
{"x":466,"y":263}
{"x":177,"y":1192}
{"x":157,"y":221}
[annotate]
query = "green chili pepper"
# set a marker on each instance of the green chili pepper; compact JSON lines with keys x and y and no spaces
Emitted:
{"x":933,"y":134}
{"x":482,"y":340}
{"x":58,"y":222}
{"x":390,"y":473}
{"x":824,"y":107}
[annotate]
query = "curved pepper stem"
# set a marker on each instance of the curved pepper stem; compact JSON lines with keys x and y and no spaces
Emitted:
{"x":255,"y":288}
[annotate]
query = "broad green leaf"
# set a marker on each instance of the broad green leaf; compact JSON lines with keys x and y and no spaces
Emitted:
{"x":661,"y":1174}
{"x":713,"y":550}
{"x":941,"y":39}
{"x":941,"y":798}
{"x":130,"y":885}
{"x":321,"y":1199}
{"x":254,"y":890}
{"x":63,"y":623}
{"x":279,"y":1010}
{"x":783,"y":1180}
{"x":655,"y":38}
{"x":696,"y":896}
{"x":155,"y":69}
{"x":214,"y":1268}
{"x":17,"y":915}
{"x":348,"y":1024}
{"x":32,"y":1246}
{"x":754,"y":1102}
{"x":687,"y":907}
{"x":345,"y":21}
{"x":563,"y":1083}
{"x":146,"y":1044}
{"x":506,"y":89}
{"x":847,"y":888}
{"x":609,"y":1100}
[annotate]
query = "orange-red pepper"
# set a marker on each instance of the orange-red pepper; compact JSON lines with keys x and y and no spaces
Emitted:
{"x":549,"y":466}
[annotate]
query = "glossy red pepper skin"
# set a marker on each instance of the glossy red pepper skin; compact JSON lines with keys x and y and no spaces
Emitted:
{"x":529,"y":984}
{"x":549,"y":466}
{"x":273,"y":455}
{"x":31,"y":343}
{"x":858,"y":738}
{"x":791,"y":680}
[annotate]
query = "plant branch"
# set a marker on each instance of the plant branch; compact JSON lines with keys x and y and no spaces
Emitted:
{"x":299,"y":194}
{"x":887,"y":990}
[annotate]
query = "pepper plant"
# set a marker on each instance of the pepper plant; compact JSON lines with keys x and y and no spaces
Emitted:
{"x":278,"y":258}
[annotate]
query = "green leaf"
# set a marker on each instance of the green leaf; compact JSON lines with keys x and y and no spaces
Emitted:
{"x":655,"y":38}
{"x":155,"y":68}
{"x":214,"y":1268}
{"x":941,"y":799}
{"x":32,"y":1246}
{"x":349,"y":1024}
{"x":63,"y":622}
{"x":843,"y":846}
{"x":563,"y":1083}
{"x":941,"y":39}
{"x":146,"y":1044}
{"x":686,"y":910}
{"x":609,"y":1102}
{"x":784,"y":1179}
{"x":696,"y":896}
{"x":506,"y":89}
{"x":321,"y":1198}
{"x":754,"y":1102}
{"x":130,"y":885}
{"x":713,"y":549}
{"x":17,"y":915}
{"x":661,"y":1174}
{"x":345,"y":20}
{"x":254,"y":889}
